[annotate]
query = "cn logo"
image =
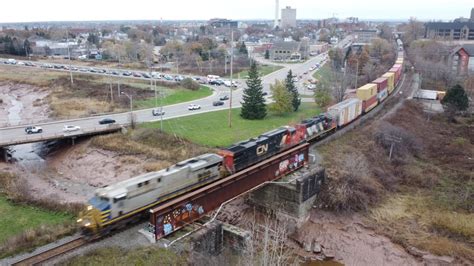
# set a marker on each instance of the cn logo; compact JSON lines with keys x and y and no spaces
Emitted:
{"x":262,"y":149}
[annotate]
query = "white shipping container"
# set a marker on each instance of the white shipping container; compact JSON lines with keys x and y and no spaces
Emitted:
{"x":346,"y":111}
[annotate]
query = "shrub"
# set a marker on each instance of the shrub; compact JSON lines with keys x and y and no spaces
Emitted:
{"x":190,"y":84}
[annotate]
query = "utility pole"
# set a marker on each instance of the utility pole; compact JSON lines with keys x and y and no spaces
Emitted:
{"x":357,"y":72}
{"x":111,"y":92}
{"x":69,"y":56}
{"x":394,"y":140}
{"x":231,"y":74}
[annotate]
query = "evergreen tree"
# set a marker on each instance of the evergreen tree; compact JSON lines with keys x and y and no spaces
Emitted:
{"x":253,"y":105}
{"x":267,"y":54}
{"x":290,"y":86}
{"x":455,"y":100}
{"x":243,"y":49}
{"x":282,"y":97}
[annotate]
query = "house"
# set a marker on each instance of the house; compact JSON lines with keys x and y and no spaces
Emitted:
{"x":462,"y":59}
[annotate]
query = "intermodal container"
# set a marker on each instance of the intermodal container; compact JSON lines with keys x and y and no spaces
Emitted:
{"x":346,"y":111}
{"x":382,"y":95}
{"x":400,"y":54}
{"x":390,"y":81}
{"x":399,"y":61}
{"x":381,"y":84}
{"x":367,"y":91}
{"x":397,"y":69}
{"x":369,"y":104}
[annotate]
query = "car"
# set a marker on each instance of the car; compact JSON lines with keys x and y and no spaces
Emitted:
{"x":74,"y":68}
{"x":223,"y":98}
{"x":218,"y":103}
{"x":127,"y":73}
{"x":194,"y":107}
{"x":157,"y":112}
{"x":33,"y":130}
{"x":71,"y":128}
{"x":179,"y":78}
{"x":168,"y":77}
{"x":29,"y":64}
{"x":113,"y":72}
{"x":137,"y":75}
{"x":146,"y":75}
{"x":264,"y":93}
{"x":107,"y":121}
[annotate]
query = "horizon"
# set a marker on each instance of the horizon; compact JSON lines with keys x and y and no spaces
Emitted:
{"x":246,"y":10}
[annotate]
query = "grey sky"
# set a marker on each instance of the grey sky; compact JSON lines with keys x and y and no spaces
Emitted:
{"x":57,"y":10}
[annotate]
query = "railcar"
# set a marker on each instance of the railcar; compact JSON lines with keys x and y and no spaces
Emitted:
{"x":118,"y":203}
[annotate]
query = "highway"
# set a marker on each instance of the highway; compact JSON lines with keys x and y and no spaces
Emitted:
{"x":54,"y":130}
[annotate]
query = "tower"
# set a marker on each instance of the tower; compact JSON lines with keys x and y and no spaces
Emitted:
{"x":276,"y":13}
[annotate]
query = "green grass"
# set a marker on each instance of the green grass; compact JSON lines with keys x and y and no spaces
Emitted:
{"x":211,"y":129}
{"x":174,"y":96}
{"x":263,"y":70}
{"x":323,"y":75}
{"x":14,"y":219}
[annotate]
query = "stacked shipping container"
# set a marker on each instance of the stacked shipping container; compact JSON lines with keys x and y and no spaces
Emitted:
{"x":390,"y":81}
{"x":346,"y":111}
{"x":382,"y":91}
{"x":368,"y":95}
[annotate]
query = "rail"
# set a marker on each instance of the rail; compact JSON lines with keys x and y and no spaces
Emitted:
{"x":44,"y":256}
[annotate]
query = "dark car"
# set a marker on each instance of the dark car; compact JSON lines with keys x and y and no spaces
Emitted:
{"x":218,"y":103}
{"x":265,"y":93}
{"x":106,"y":121}
{"x":223,"y":98}
{"x":157,"y":112}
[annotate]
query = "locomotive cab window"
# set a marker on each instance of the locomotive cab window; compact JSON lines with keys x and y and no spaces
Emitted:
{"x":147,"y":182}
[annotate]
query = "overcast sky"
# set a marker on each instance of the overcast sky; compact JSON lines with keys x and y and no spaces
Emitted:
{"x":63,"y":10}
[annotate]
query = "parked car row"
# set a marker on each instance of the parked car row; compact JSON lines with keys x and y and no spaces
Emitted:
{"x":67,"y":128}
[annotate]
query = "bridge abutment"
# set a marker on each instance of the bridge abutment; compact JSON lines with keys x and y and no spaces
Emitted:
{"x":290,"y":198}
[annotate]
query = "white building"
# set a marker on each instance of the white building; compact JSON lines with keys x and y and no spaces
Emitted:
{"x":288,"y":17}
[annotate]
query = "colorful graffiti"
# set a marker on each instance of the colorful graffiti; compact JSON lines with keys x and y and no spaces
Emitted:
{"x":171,"y":222}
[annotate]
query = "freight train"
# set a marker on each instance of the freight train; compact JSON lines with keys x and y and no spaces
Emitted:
{"x":118,"y":204}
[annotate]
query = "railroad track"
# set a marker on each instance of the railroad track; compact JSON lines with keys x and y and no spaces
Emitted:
{"x":42,"y":257}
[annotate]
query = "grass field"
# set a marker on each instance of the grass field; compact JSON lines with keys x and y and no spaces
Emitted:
{"x":211,"y":129}
{"x":17,"y":218}
{"x":323,"y":75}
{"x":263,"y":70}
{"x":174,"y":96}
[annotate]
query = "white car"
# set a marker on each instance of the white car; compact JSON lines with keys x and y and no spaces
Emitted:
{"x":70,"y":128}
{"x":194,"y":107}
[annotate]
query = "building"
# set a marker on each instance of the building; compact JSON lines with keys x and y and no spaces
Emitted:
{"x":461,"y":29}
{"x":462,"y":59}
{"x":450,"y":30}
{"x":364,"y":36}
{"x":289,"y":51}
{"x":223,"y":23}
{"x":288,"y":18}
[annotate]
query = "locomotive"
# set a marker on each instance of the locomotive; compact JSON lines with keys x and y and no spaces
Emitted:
{"x":118,"y":204}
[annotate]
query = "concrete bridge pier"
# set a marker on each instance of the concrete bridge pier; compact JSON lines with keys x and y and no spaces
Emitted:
{"x":290,"y":198}
{"x":5,"y":154}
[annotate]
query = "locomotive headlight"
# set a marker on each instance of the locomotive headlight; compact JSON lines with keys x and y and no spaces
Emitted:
{"x":89,"y":208}
{"x":79,"y":220}
{"x":87,"y":224}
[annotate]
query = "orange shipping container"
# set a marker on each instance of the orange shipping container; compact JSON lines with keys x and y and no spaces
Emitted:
{"x":391,"y":81}
{"x":367,"y":91}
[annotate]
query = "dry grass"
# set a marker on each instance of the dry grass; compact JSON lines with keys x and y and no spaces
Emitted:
{"x":32,"y":238}
{"x":151,"y":143}
{"x":156,"y":166}
{"x":415,"y":221}
{"x":424,"y":196}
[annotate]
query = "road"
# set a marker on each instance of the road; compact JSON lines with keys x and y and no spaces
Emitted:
{"x":17,"y":134}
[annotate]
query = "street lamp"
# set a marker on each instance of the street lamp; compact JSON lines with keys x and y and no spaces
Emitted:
{"x":130,"y":97}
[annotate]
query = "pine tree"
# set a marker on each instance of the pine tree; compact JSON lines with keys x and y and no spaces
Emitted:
{"x":282,"y":97}
{"x":456,"y":99}
{"x":243,"y":49}
{"x":253,"y":105}
{"x":290,"y":86}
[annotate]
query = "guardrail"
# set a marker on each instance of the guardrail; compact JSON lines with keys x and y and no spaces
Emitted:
{"x":40,"y":137}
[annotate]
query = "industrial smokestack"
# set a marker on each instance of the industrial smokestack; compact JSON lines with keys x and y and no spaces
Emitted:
{"x":276,"y":14}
